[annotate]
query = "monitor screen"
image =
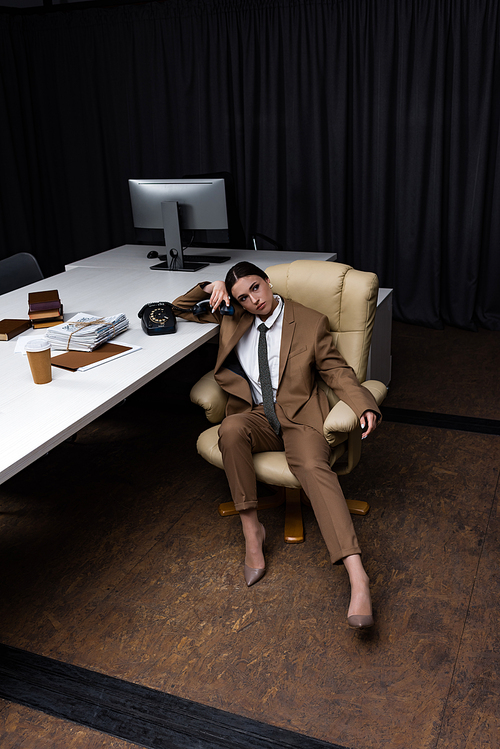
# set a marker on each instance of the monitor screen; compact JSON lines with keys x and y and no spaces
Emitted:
{"x":201,"y":204}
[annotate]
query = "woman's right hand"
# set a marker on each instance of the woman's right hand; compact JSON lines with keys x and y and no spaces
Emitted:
{"x":218,"y":294}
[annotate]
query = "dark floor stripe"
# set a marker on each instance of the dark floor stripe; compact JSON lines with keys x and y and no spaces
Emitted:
{"x":131,"y":712}
{"x":442,"y":421}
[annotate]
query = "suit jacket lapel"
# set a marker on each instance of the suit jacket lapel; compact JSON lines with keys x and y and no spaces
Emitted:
{"x":229,"y":337}
{"x":229,"y":378}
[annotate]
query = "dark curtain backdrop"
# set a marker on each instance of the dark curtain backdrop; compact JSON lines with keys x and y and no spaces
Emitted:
{"x":366,"y":127}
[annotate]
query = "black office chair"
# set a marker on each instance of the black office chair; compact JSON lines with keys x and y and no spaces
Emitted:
{"x":18,"y":270}
{"x":272,"y":242}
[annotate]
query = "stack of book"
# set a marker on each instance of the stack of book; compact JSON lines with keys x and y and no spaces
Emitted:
{"x":45,"y":309}
{"x":86,"y":332}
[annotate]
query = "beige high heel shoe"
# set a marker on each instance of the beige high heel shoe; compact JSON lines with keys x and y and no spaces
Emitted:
{"x":253,"y":575}
{"x":360,"y":621}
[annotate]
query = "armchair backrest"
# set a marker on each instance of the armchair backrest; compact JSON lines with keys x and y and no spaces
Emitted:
{"x":348,"y":297}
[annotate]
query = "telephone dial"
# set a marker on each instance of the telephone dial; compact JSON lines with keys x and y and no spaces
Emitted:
{"x":157,"y":318}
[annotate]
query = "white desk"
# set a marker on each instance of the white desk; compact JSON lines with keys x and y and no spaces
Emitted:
{"x":36,"y":418}
{"x":134,"y":257}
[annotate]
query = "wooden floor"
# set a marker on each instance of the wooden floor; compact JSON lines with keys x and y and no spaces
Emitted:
{"x":114,"y":558}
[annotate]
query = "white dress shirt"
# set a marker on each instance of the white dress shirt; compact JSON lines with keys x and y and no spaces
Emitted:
{"x":247,"y":351}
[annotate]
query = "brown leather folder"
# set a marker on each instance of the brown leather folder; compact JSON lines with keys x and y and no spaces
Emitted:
{"x":73,"y":360}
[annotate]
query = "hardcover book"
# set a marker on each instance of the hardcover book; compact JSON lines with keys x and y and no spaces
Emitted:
{"x":10,"y":328}
{"x":46,"y":315}
{"x":49,"y":323}
{"x":43,"y":300}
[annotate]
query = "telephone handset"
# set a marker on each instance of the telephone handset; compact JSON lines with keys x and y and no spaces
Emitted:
{"x":201,"y":308}
{"x":157,"y":318}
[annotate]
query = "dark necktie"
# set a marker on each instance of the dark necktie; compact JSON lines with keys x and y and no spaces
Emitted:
{"x":265,"y":380}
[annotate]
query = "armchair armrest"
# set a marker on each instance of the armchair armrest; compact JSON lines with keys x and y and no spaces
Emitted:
{"x":342,"y":420}
{"x":210,"y":396}
{"x":339,"y":423}
{"x":377,"y":389}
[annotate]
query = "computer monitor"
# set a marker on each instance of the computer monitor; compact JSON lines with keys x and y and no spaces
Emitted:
{"x":178,"y":213}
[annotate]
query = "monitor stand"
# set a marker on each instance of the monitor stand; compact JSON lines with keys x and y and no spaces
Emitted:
{"x":171,"y":229}
{"x":185,"y":267}
{"x":192,"y":258}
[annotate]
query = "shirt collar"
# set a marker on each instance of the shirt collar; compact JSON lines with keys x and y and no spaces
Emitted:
{"x":272,"y":319}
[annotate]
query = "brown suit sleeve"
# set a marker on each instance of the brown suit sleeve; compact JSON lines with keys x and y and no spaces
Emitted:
{"x":338,"y":375}
{"x":182,"y":306}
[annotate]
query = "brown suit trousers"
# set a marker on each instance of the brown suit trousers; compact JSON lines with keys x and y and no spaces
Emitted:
{"x":307,"y":453}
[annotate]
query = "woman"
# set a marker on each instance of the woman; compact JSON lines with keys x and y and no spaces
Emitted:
{"x":285,"y":414}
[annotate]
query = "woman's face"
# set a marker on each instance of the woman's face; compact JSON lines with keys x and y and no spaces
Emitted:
{"x":255,"y":296}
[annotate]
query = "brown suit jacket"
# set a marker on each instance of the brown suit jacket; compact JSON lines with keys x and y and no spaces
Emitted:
{"x":306,"y":350}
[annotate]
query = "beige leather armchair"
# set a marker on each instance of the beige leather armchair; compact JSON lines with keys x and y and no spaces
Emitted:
{"x":348,"y":298}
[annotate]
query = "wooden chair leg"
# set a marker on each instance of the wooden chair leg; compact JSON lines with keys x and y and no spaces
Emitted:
{"x":294,"y":527}
{"x":265,"y":503}
{"x":227,"y":508}
{"x":356,"y":506}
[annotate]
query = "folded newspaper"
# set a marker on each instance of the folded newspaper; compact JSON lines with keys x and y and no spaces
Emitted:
{"x":86,"y":332}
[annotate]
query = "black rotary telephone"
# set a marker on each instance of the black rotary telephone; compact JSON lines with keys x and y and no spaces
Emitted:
{"x":157,"y":318}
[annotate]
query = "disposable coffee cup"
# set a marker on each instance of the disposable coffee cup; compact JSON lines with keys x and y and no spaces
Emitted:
{"x":38,"y":353}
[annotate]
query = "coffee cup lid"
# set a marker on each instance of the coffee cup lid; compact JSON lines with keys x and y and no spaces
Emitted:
{"x":37,"y":344}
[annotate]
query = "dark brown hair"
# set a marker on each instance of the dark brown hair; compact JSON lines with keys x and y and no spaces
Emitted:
{"x":240,"y":270}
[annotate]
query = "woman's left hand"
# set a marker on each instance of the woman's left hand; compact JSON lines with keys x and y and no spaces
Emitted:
{"x":218,"y":294}
{"x":368,"y":423}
